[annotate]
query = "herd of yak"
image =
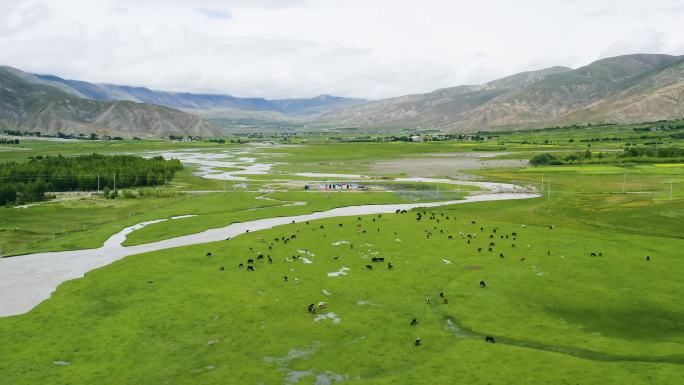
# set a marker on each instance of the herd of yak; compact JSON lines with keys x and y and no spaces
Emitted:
{"x":311,"y":308}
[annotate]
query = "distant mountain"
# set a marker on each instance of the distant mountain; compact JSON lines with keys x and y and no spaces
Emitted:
{"x":620,"y":89}
{"x":189,"y":101}
{"x":28,"y":104}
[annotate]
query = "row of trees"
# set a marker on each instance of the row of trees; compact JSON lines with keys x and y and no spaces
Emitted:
{"x":28,"y":181}
{"x":652,"y":152}
{"x":632,"y":154}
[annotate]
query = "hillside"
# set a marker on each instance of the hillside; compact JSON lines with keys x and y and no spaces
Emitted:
{"x":196,"y":103}
{"x":40,"y":107}
{"x":620,"y":89}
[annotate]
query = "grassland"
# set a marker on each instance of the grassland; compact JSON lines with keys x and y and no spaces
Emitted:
{"x":559,"y":315}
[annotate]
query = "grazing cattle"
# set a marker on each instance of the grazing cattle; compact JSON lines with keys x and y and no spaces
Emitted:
{"x":493,"y":230}
{"x":390,"y":266}
{"x":473,"y":222}
{"x":550,"y":227}
{"x":339,"y":224}
{"x":374,"y":260}
{"x":490,"y":249}
{"x":483,"y":284}
{"x":222,"y":268}
{"x":481,"y":228}
{"x":321,"y":226}
{"x":479,"y":249}
{"x":293,"y":236}
{"x":548,"y":252}
{"x":445,"y":301}
{"x":250,"y":268}
{"x":311,"y":308}
{"x":241,"y":265}
{"x":322,"y":305}
{"x":441,"y":294}
{"x":501,"y":255}
{"x":592,"y":254}
{"x":427,"y":300}
{"x":209,"y":254}
{"x":260,"y":256}
{"x":269,"y":259}
{"x":285,"y":278}
{"x":522,"y":259}
{"x":336,"y":257}
{"x":506,"y":236}
{"x":490,"y":340}
{"x":373,"y":219}
{"x":513,"y":245}
{"x":468,"y":241}
{"x":250,"y":261}
{"x":469,"y":235}
{"x":247,"y":231}
{"x":492,"y":244}
{"x":450,"y":237}
{"x":648,"y":257}
{"x":307,"y":222}
{"x":418,"y":342}
{"x":381,"y":259}
{"x":414,"y":322}
{"x":491,"y":236}
{"x":600,"y":254}
{"x":369,"y":267}
{"x":514,"y":234}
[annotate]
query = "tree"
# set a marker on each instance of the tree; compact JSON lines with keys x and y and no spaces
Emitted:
{"x":8,"y":194}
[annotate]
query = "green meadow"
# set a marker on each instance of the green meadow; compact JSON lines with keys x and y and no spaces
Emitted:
{"x":582,"y":284}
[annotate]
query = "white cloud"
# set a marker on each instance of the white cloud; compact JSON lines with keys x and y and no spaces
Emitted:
{"x":289,"y":48}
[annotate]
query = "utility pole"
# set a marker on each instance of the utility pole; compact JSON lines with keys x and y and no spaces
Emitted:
{"x":542,"y":182}
{"x":624,"y":181}
{"x":98,"y":184}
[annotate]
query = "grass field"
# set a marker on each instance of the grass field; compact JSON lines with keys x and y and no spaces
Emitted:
{"x":559,"y":315}
{"x":615,"y":316}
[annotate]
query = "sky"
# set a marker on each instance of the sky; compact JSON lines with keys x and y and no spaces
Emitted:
{"x":302,"y":48}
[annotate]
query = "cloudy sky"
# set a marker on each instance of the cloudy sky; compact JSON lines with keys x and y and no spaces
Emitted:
{"x":302,"y":48}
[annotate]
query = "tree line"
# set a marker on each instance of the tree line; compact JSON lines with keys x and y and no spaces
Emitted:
{"x":630,"y":154}
{"x":28,"y":181}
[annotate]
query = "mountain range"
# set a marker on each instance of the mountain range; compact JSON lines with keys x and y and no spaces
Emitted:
{"x":50,"y":104}
{"x":629,"y":88}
